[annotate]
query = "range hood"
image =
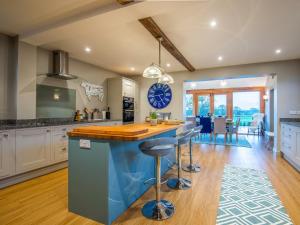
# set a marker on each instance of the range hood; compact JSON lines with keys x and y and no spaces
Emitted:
{"x":61,"y":66}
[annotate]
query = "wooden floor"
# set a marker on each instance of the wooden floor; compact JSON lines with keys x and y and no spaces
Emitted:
{"x":43,"y":200}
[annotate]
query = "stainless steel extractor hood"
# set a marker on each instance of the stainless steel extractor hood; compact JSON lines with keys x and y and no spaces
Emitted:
{"x":61,"y":66}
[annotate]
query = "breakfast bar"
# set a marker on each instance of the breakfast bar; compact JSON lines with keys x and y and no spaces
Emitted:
{"x":107,"y":171}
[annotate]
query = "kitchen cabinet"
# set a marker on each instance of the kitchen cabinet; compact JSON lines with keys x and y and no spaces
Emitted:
{"x":7,"y":150}
{"x":117,"y":88}
{"x":128,"y":87}
{"x":290,"y":143}
{"x":59,"y":143}
{"x":33,"y":149}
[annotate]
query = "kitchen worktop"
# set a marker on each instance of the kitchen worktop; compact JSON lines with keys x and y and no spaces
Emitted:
{"x":32,"y":123}
{"x":130,"y":132}
{"x":296,"y":124}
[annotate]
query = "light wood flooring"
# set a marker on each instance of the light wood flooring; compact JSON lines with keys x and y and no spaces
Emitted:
{"x":43,"y":201}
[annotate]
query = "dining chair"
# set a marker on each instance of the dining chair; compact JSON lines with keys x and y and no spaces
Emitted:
{"x":235,"y":129}
{"x":220,"y":128}
{"x":205,"y":122}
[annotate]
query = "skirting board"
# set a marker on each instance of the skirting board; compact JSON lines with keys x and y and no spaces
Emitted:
{"x":32,"y":174}
{"x":297,"y":167}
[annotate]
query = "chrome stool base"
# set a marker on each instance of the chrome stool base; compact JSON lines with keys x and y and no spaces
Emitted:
{"x":194,"y":168}
{"x":158,"y":210}
{"x":179,"y":183}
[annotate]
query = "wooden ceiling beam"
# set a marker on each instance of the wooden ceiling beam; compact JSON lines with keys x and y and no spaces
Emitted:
{"x":125,"y":2}
{"x":157,"y":33}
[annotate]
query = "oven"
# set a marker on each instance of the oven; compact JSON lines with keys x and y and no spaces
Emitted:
{"x":128,"y":116}
{"x":128,"y":103}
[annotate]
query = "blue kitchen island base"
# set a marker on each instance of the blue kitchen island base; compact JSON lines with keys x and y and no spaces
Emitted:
{"x":107,"y":178}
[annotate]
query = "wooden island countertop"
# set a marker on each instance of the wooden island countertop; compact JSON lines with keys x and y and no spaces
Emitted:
{"x":129,"y":132}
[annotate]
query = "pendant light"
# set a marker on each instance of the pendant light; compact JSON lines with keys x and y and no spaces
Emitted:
{"x":154,"y":71}
{"x":165,"y":78}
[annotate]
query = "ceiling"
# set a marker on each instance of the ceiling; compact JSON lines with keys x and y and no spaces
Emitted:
{"x":247,"y":31}
{"x":229,"y":83}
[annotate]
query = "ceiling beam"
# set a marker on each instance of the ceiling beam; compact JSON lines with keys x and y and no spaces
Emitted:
{"x":124,"y":2}
{"x":157,"y":33}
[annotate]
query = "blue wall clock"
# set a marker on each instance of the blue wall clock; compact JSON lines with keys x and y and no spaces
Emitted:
{"x":159,"y":95}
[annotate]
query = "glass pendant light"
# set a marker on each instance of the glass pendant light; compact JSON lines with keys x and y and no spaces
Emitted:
{"x":166,"y":79}
{"x":154,"y":71}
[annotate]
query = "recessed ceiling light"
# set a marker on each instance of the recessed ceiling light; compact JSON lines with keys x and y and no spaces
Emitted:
{"x":223,"y":83}
{"x":220,"y":58}
{"x":87,"y":49}
{"x":213,"y":23}
{"x":278,"y":51}
{"x":168,"y":65}
{"x":132,"y":68}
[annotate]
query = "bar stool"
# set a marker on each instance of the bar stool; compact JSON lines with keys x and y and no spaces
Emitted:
{"x":181,"y":183}
{"x":158,"y":209}
{"x":193,"y":168}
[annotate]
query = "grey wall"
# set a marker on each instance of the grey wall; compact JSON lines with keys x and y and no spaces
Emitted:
{"x":23,"y":66}
{"x":286,"y":96}
{"x":7,"y":78}
{"x":84,"y":71}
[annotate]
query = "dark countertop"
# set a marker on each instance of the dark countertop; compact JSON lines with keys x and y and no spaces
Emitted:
{"x":20,"y":124}
{"x":296,"y":124}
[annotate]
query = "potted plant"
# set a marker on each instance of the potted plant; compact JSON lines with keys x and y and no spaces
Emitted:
{"x":153,"y":118}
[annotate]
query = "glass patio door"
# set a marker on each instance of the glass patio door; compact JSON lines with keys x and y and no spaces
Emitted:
{"x":203,"y":105}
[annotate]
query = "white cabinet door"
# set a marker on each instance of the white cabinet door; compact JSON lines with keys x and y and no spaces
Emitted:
{"x":296,"y":146}
{"x":128,"y":88}
{"x":7,"y":161}
{"x":60,"y":143}
{"x":33,"y":149}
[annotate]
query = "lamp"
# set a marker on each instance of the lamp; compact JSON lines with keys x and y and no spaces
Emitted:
{"x":156,"y":71}
{"x":166,"y":79}
{"x":152,"y":71}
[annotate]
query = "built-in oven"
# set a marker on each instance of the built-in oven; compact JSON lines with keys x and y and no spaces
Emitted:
{"x":128,"y":103}
{"x":128,"y":116}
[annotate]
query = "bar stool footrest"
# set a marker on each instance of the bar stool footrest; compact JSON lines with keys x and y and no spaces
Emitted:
{"x":194,"y":168}
{"x":179,"y":183}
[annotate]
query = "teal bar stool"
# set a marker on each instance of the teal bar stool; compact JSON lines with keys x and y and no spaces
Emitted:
{"x":180,"y":183}
{"x":158,"y":209}
{"x":191,"y":167}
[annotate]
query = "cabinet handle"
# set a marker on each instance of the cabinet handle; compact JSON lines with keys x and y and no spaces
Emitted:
{"x":48,"y":131}
{"x":64,"y":136}
{"x":64,"y":149}
{"x":5,"y":135}
{"x":64,"y":129}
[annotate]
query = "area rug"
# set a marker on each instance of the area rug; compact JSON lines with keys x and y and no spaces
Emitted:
{"x":247,"y":197}
{"x":241,"y":142}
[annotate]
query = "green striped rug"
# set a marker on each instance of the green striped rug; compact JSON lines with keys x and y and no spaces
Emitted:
{"x":247,"y":197}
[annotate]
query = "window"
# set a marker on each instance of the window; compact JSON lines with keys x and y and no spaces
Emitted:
{"x":245,"y":104}
{"x":189,"y":105}
{"x":220,"y":105}
{"x":203,"y":105}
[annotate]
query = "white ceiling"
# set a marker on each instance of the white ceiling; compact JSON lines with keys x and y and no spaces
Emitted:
{"x":230,"y":83}
{"x":247,"y":31}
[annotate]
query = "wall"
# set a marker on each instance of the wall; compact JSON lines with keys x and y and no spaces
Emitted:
{"x":22,"y":66}
{"x":84,"y":71}
{"x":286,"y":98}
{"x":7,"y":78}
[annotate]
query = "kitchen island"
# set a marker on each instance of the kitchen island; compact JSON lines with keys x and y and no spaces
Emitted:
{"x":107,"y":170}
